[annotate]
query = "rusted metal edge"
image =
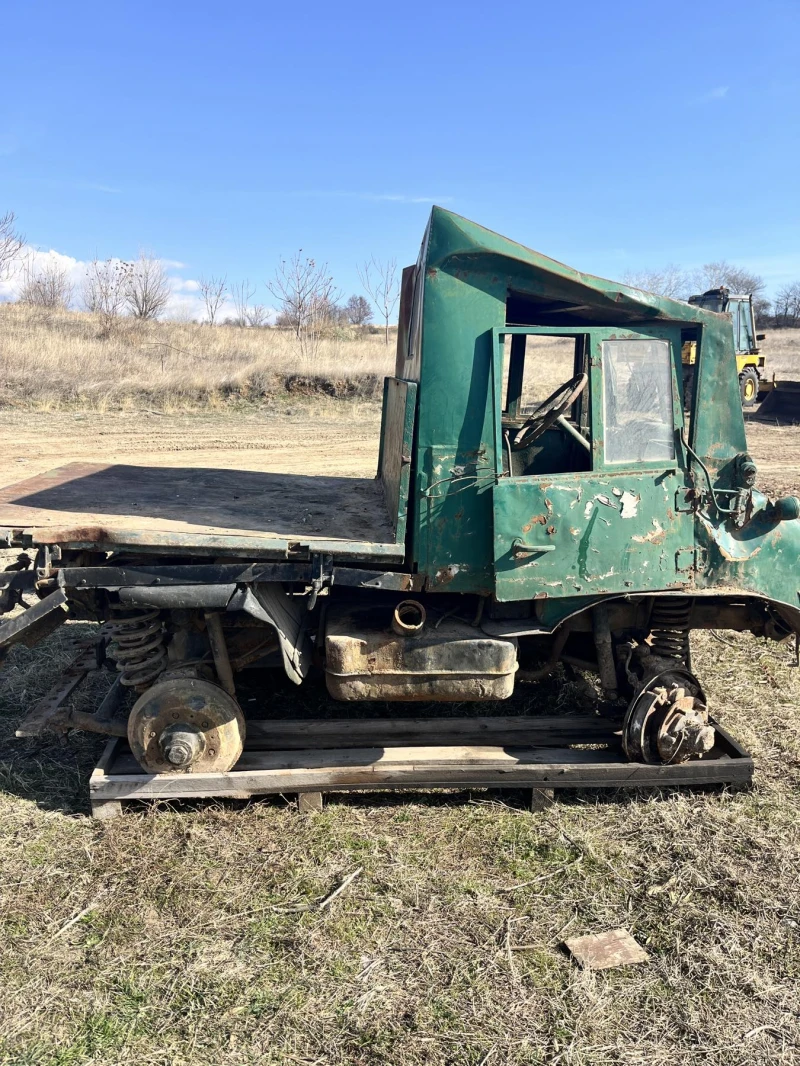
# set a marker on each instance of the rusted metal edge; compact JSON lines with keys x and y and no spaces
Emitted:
{"x":35,"y":617}
{"x":47,"y":713}
{"x":166,"y":576}
{"x":266,"y":547}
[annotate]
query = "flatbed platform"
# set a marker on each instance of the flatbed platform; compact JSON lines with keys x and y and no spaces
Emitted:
{"x":262,"y":513}
{"x":540,"y":753}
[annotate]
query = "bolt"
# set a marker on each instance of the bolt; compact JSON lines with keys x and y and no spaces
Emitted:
{"x":175,"y":716}
{"x":206,"y":725}
{"x":212,"y":752}
{"x":152,"y":733}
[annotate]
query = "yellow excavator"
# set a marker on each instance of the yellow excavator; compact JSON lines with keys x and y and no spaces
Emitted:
{"x":750,"y":363}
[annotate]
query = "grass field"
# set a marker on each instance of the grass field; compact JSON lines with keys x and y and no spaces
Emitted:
{"x":51,"y":360}
{"x":193,"y":934}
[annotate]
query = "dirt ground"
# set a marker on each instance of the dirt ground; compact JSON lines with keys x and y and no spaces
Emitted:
{"x":335,"y":438}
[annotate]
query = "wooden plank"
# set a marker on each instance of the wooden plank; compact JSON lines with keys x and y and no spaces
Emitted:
{"x":309,"y":802}
{"x":456,"y":766}
{"x":520,"y":730}
{"x":399,"y":405}
{"x":104,"y":809}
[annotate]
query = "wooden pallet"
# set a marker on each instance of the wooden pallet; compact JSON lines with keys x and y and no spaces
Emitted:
{"x":412,"y":753}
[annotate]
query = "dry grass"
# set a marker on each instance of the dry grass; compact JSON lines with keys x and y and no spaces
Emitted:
{"x":50,"y":360}
{"x":201,"y":941}
{"x":782,"y":349}
{"x":60,"y":360}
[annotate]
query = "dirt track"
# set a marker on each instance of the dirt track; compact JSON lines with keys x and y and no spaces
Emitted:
{"x":334,"y":441}
{"x":316,"y":442}
{"x":32,"y":443}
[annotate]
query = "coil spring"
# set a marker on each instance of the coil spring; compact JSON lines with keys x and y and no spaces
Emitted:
{"x":138,"y":644}
{"x":669,"y":628}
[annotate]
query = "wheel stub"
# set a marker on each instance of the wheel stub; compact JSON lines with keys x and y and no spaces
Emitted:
{"x":186,"y":725}
{"x":668,"y":721}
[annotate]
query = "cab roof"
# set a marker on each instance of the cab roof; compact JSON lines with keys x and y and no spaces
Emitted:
{"x":543,"y":291}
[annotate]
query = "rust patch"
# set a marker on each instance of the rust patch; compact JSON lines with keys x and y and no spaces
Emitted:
{"x":445,"y":574}
{"x":550,"y":531}
{"x":537,"y":520}
{"x":657,"y":535}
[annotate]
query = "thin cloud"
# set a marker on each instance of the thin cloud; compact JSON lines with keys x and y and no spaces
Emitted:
{"x":400,"y":198}
{"x":92,"y":186}
{"x":385,"y":197}
{"x":718,"y":93}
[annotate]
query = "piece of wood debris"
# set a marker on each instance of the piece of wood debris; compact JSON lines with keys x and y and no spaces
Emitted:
{"x":338,"y":891}
{"x":602,"y":951}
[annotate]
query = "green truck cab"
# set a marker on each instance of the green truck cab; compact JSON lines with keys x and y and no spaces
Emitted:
{"x":540,"y":498}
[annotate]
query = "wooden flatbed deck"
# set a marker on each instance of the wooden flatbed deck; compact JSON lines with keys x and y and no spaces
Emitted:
{"x":207,"y":509}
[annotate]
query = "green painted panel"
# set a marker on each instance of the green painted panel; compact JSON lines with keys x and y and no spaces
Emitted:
{"x":595,"y":533}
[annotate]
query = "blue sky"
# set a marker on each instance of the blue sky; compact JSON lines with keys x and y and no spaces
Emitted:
{"x":613,"y":137}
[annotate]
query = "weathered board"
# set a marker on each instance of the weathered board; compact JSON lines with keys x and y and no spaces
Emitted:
{"x":444,"y":765}
{"x":202,"y":507}
{"x":394,"y":465}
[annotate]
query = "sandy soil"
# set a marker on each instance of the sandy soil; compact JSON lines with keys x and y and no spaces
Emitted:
{"x":320,"y":441}
{"x":317,"y":441}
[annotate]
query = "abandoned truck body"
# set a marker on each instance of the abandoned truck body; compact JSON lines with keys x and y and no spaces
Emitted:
{"x":515,"y":521}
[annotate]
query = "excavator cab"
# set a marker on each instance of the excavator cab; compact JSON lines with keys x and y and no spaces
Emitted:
{"x":750,"y":363}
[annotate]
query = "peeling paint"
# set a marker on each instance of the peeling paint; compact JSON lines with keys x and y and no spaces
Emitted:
{"x":656,"y":535}
{"x":629,"y":504}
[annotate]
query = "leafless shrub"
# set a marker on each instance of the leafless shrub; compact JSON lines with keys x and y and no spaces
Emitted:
{"x":148,"y":289}
{"x":256,"y":315}
{"x":105,"y":291}
{"x":306,"y":297}
{"x":45,"y":284}
{"x":11,"y":243}
{"x":381,"y":282}
{"x":247,"y":313}
{"x":213,"y":290}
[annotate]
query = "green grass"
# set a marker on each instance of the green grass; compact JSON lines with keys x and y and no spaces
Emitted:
{"x":204,"y":942}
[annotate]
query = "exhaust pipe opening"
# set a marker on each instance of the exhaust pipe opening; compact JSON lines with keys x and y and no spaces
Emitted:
{"x":408,"y":619}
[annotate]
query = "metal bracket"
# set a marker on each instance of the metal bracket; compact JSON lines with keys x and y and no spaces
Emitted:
{"x":321,"y":575}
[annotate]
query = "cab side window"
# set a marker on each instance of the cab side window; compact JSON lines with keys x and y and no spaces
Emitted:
{"x":537,"y":369}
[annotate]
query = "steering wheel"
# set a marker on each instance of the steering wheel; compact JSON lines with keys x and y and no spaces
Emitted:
{"x":549,"y":411}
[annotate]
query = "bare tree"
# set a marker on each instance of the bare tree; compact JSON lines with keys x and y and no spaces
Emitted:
{"x":669,"y":280}
{"x":358,"y":310}
{"x":787,"y":305}
{"x":11,"y":243}
{"x":241,"y":295}
{"x":305,"y":294}
{"x":105,"y":291}
{"x":213,"y":291}
{"x":737,"y":279}
{"x":381,"y":282}
{"x":45,"y":284}
{"x":149,"y":289}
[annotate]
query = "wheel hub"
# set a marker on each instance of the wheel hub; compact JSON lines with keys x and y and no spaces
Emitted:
{"x":186,"y":725}
{"x":668,"y":721}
